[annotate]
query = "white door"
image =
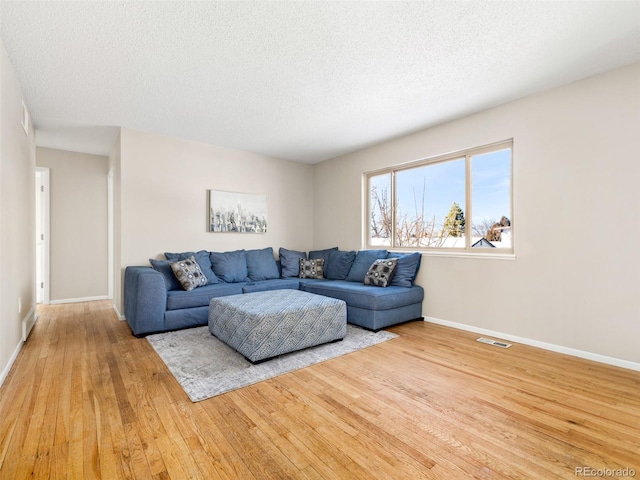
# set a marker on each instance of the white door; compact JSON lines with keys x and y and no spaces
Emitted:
{"x":42,"y":235}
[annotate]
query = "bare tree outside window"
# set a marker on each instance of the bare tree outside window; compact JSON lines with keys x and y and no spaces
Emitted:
{"x":412,"y":229}
{"x":380,"y":213}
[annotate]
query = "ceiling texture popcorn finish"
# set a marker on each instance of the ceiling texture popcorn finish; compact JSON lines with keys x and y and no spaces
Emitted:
{"x":305,"y":81}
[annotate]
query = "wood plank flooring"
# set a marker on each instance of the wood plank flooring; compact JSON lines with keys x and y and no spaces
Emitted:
{"x":85,"y":399}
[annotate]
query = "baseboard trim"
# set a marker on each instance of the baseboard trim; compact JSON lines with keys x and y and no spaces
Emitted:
{"x":27,"y":324}
{"x":78,"y":300}
{"x":5,"y":372}
{"x":617,"y":362}
{"x":120,"y":316}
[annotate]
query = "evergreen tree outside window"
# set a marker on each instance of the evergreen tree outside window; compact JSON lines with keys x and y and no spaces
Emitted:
{"x":454,"y":221}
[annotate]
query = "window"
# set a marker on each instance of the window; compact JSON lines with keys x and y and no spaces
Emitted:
{"x":458,"y":202}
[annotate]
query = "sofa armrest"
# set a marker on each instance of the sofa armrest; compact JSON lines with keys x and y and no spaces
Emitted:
{"x":145,"y":300}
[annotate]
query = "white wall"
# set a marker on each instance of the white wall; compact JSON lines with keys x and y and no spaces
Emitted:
{"x":78,"y":209}
{"x":17,"y":218}
{"x":576,"y":280}
{"x":164,"y":185}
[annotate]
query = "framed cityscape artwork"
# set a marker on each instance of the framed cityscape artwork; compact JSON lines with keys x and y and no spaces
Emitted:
{"x":232,"y":212}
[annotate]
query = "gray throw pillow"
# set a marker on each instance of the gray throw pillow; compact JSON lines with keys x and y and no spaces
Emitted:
{"x":202,"y":257}
{"x":381,"y":272}
{"x":188,"y":273}
{"x":312,"y":268}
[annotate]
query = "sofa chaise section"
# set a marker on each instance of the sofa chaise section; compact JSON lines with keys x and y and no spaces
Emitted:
{"x":372,"y":307}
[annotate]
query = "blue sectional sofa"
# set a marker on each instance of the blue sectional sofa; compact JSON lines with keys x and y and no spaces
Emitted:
{"x":155,"y":301}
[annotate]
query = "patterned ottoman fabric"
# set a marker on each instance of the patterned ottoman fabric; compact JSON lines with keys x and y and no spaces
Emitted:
{"x":266,"y":324}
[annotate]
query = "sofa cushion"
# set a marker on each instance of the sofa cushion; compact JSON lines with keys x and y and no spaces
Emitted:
{"x":163,"y":267}
{"x":230,"y":267}
{"x":304,"y":281}
{"x":202,"y":257}
{"x":366,"y":296}
{"x":312,"y":268}
{"x":188,"y":273}
{"x":363,"y":261}
{"x":180,"y":299}
{"x":261,"y":265}
{"x":290,"y":262}
{"x":339,"y":264}
{"x":323,"y":254}
{"x":408,"y":266}
{"x":381,"y":272}
{"x":275,"y":284}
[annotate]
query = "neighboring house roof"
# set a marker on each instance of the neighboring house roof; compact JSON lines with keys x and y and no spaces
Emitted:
{"x":483,"y":243}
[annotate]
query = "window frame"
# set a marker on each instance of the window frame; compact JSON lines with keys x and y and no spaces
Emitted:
{"x":467,"y":250}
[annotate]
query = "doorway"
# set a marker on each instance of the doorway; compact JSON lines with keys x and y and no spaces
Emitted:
{"x":42,"y":235}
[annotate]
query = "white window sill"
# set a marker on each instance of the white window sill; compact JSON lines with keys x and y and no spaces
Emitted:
{"x":451,"y":253}
{"x":467,"y":254}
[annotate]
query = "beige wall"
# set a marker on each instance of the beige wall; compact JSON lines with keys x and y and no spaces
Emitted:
{"x":575,"y":282}
{"x":164,"y":185}
{"x":17,"y":218}
{"x":78,"y":209}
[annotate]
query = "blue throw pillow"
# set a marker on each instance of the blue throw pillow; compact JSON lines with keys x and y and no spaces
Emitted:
{"x":407,"y":269}
{"x":290,"y":262}
{"x":231,"y":267}
{"x":323,"y":254}
{"x":339,"y":264}
{"x":261,"y":265}
{"x":364,"y":260}
{"x":164,"y":268}
{"x":202,"y":258}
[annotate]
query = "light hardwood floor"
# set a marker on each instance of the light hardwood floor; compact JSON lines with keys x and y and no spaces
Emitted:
{"x":85,"y":399}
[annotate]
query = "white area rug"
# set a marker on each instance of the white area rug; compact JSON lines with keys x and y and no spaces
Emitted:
{"x":205,"y":367}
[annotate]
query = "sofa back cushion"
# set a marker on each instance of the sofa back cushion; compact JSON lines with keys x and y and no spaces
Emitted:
{"x":261,"y":265}
{"x":407,"y":269}
{"x":164,"y":268}
{"x":230,"y":266}
{"x":290,"y":262}
{"x":363,"y":261}
{"x":339,"y":264}
{"x":322,"y":254}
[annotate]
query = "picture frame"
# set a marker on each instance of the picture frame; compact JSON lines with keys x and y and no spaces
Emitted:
{"x":234,"y":212}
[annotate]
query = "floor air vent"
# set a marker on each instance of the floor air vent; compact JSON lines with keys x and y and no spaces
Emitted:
{"x":493,"y":342}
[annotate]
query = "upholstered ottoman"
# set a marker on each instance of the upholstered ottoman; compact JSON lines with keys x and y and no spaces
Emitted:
{"x":266,"y":324}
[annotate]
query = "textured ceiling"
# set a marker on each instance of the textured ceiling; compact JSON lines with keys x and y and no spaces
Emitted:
{"x":305,"y":81}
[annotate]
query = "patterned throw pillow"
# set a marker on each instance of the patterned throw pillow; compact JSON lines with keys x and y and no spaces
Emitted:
{"x":312,"y":268}
{"x":188,"y":273}
{"x":381,"y":272}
